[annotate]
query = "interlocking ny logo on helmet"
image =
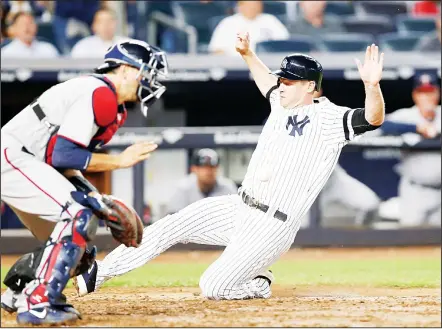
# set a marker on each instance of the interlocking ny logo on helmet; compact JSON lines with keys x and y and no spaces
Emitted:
{"x":151,"y":62}
{"x":301,"y":67}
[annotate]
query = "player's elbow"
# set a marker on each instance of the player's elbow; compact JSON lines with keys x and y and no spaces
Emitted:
{"x":375,"y":117}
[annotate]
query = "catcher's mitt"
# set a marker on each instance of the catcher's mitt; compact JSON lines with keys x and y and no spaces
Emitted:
{"x":127,"y":226}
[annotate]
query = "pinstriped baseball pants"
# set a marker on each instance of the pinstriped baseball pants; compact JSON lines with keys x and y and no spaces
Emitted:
{"x":254,"y":240}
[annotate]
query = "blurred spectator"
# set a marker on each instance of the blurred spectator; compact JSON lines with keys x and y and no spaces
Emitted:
{"x":71,"y":20}
{"x":23,"y":31}
{"x":426,"y":8}
{"x":312,"y":20}
{"x":203,"y":182}
{"x":420,"y":185}
{"x":431,"y":42}
{"x":104,"y":28}
{"x":147,"y":215}
{"x":33,"y":7}
{"x":250,"y":18}
{"x":4,"y":28}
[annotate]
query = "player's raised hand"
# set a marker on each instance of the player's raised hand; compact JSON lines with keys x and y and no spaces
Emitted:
{"x":371,"y":69}
{"x":136,"y":153}
{"x":242,"y":43}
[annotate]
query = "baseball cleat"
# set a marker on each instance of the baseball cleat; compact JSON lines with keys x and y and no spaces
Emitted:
{"x":9,"y":298}
{"x":46,"y":315}
{"x":266,"y":274}
{"x":85,"y":282}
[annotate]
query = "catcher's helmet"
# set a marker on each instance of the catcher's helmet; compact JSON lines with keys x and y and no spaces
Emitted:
{"x":301,"y":67}
{"x":151,"y":62}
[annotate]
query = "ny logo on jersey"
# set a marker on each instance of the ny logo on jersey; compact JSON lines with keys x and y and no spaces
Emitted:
{"x":296,"y":126}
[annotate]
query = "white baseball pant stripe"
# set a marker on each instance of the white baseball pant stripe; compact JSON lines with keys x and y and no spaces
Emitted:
{"x":225,"y":220}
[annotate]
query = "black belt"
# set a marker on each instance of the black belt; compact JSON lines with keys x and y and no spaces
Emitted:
{"x":38,"y":111}
{"x":41,"y":116}
{"x":253,"y":203}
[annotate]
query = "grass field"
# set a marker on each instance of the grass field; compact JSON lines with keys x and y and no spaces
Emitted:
{"x":415,"y":271}
{"x":405,"y":278}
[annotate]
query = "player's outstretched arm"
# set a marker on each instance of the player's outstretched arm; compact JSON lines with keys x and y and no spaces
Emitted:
{"x":129,"y":157}
{"x":260,"y":72}
{"x":371,"y":74}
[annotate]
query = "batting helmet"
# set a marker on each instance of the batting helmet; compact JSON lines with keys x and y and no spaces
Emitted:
{"x":205,"y":157}
{"x":301,"y":67}
{"x":151,"y":62}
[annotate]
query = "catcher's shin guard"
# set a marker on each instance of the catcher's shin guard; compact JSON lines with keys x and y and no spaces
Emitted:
{"x":61,"y":256}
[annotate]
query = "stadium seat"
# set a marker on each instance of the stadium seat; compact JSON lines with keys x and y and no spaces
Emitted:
{"x":339,"y":8}
{"x":407,"y":24}
{"x":275,"y":7}
{"x":387,"y":8}
{"x":399,"y":42}
{"x":346,"y":42}
{"x":198,"y":14}
{"x":46,"y":31}
{"x":299,"y":44}
{"x":164,"y":7}
{"x":283,"y":18}
{"x":374,"y":25}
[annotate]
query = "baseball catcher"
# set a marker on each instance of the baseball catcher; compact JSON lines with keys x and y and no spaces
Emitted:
{"x":45,"y":149}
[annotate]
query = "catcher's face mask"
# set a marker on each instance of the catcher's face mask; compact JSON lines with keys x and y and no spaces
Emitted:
{"x":150,"y":89}
{"x":151,"y":63}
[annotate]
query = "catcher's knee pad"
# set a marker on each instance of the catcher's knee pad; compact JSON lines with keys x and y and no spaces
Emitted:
{"x":84,"y":227}
{"x":23,"y":271}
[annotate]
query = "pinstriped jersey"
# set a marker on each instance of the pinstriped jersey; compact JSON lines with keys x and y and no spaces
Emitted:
{"x":296,"y":153}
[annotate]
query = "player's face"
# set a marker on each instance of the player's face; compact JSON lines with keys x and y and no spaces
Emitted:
{"x":293,"y":92}
{"x":206,"y":174}
{"x":130,"y":82}
{"x":25,"y":28}
{"x":105,"y":25}
{"x":313,"y":8}
{"x":427,"y":101}
{"x":250,"y":9}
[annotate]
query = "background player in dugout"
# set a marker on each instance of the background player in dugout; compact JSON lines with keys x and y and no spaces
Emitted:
{"x":203,"y":182}
{"x":257,"y":229}
{"x":44,"y":150}
{"x":419,"y":192}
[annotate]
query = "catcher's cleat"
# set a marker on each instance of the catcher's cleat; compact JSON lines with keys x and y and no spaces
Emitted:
{"x":46,"y":315}
{"x":10,"y":299}
{"x":85,"y":282}
{"x":267,"y":275}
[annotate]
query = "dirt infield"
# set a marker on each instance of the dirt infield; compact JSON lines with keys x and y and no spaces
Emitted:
{"x":289,"y":306}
